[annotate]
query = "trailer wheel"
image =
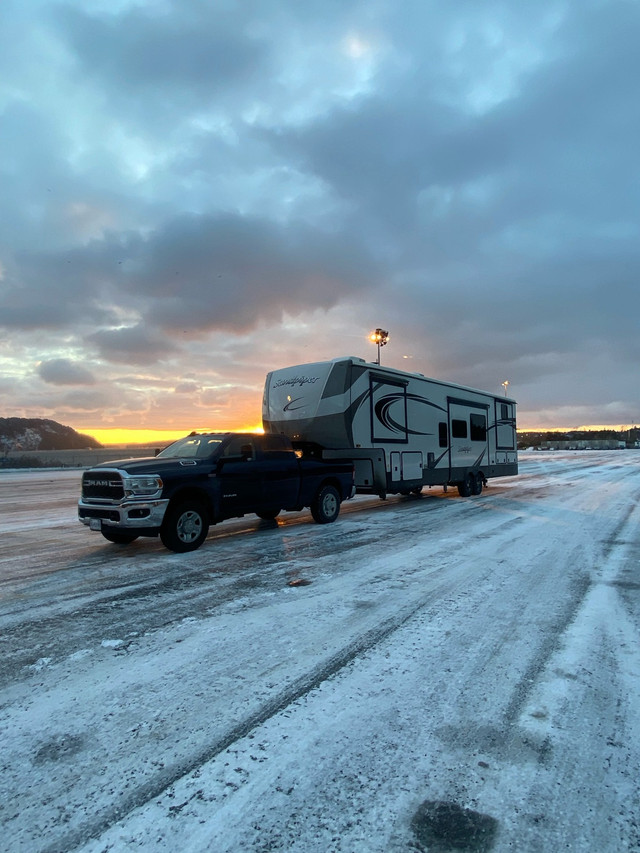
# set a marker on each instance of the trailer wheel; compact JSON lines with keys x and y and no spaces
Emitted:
{"x":466,"y":486}
{"x":268,"y":514}
{"x":185,"y":527}
{"x":325,"y":507}
{"x":120,"y":537}
{"x":478,"y":482}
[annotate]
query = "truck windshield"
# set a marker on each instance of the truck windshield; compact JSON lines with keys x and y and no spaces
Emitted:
{"x":192,"y":447}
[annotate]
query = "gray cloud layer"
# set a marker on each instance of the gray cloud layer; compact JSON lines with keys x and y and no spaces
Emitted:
{"x":203,"y":191}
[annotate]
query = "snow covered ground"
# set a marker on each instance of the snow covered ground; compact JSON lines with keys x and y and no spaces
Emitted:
{"x":426,"y":674}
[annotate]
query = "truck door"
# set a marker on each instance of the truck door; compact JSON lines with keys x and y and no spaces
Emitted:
{"x":280,"y":471}
{"x":239,"y":477}
{"x":468,"y":435}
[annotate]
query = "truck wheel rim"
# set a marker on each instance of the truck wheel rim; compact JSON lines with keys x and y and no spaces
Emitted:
{"x":189,"y":526}
{"x":329,"y":504}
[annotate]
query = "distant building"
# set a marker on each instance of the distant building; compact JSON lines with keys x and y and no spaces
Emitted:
{"x":606,"y":439}
{"x":584,"y":444}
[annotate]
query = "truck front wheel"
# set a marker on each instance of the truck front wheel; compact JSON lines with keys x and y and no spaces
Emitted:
{"x":185,"y":527}
{"x":325,"y":507}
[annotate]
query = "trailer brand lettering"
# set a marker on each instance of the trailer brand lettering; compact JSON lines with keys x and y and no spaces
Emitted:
{"x":296,"y":380}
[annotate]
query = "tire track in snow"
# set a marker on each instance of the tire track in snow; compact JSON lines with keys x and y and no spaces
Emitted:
{"x":614,"y":551}
{"x":314,"y":678}
{"x":302,"y":686}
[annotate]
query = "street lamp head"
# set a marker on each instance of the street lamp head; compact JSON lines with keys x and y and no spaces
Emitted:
{"x":380,"y":337}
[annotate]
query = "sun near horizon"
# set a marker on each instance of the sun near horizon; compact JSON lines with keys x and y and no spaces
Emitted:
{"x":122,"y":435}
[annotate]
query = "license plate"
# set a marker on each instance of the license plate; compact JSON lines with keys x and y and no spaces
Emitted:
{"x":95,"y":524}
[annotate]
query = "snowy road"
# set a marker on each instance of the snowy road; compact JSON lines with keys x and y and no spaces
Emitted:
{"x":432,"y":674}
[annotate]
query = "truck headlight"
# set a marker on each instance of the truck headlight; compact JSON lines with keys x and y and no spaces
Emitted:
{"x":145,"y":484}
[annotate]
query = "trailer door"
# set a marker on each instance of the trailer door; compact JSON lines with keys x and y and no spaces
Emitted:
{"x":468,"y":435}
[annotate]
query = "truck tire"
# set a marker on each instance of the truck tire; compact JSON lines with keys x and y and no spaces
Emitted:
{"x":268,"y":514}
{"x":185,"y":527}
{"x":325,"y":507}
{"x":120,"y":537}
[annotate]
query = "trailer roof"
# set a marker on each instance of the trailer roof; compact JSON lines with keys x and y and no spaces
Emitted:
{"x":375,"y":366}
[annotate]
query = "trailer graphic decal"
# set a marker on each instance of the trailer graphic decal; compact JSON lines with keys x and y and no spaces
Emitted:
{"x":384,"y":404}
{"x":291,"y":408}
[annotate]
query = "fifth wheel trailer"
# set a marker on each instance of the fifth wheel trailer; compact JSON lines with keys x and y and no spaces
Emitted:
{"x":402,"y":430}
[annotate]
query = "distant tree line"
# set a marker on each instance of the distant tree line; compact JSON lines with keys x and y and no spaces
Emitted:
{"x":18,"y":434}
{"x":535,"y":439}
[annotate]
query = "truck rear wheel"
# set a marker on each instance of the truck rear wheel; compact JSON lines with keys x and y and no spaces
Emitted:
{"x":120,"y":537}
{"x":185,"y":527}
{"x":325,"y":506}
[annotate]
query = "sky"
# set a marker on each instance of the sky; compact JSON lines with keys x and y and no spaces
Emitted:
{"x":195,"y":192}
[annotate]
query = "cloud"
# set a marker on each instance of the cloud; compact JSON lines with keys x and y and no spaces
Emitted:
{"x":186,"y":49}
{"x":131,"y":345}
{"x":227,"y":188}
{"x":63,"y":371}
{"x":204,"y":273}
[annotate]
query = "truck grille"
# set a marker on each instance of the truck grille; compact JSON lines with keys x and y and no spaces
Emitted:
{"x":101,"y":512}
{"x":100,"y":486}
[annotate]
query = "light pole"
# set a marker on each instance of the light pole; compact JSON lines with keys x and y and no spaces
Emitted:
{"x":505,"y":385}
{"x":379,"y":337}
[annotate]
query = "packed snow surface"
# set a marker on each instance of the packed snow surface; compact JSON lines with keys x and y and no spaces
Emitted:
{"x":429,"y":674}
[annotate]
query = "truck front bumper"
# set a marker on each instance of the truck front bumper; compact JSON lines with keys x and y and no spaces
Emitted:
{"x":128,"y":515}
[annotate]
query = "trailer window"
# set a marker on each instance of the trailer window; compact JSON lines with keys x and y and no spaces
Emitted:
{"x":442,"y":434}
{"x":458,"y":429}
{"x":504,"y":411}
{"x":478,"y":427}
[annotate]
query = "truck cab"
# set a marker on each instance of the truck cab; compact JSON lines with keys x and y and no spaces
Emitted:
{"x":203,"y":479}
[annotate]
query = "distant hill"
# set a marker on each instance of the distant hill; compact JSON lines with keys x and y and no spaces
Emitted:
{"x":41,"y":434}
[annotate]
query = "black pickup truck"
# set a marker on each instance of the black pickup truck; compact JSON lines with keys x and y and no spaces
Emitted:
{"x":204,"y":478}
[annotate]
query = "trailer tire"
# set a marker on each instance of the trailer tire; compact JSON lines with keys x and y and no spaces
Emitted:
{"x":478,"y":483}
{"x":120,"y":537}
{"x":185,"y":527}
{"x":465,"y":487}
{"x":268,"y":514}
{"x":325,"y":507}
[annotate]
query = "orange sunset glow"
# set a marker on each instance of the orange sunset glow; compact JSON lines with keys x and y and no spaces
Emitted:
{"x":121,"y":435}
{"x":160,"y":437}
